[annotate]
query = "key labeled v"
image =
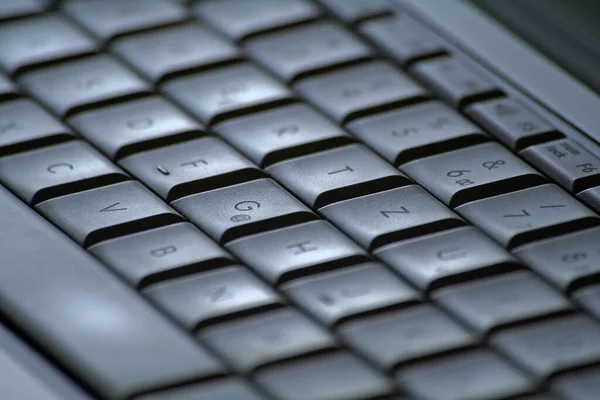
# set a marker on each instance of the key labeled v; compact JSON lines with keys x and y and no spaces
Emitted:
{"x":113,"y":207}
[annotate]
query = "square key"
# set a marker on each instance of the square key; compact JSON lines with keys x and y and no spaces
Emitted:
{"x":38,"y":40}
{"x":352,"y":92}
{"x":285,"y":132}
{"x":190,"y":167}
{"x":72,"y":86}
{"x":108,"y":18}
{"x":166,"y":51}
{"x":242,"y":209}
{"x":323,"y":178}
{"x":226,"y":91}
{"x":295,"y":51}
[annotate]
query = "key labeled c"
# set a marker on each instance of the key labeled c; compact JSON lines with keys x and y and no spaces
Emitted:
{"x":56,"y":168}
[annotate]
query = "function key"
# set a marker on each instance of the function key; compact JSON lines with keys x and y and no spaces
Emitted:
{"x":189,"y":167}
{"x":351,"y":11}
{"x":266,"y":338}
{"x":442,"y":258}
{"x":109,"y":18}
{"x":403,"y":38}
{"x":38,"y":40}
{"x":331,"y":376}
{"x":241,"y":18}
{"x":208,"y":296}
{"x":127,"y":128}
{"x":19,"y":8}
{"x":356,"y":91}
{"x":226,"y":92}
{"x":73,"y":86}
{"x":48,"y":172}
{"x":417,"y":131}
{"x":566,"y":260}
{"x":297,"y":250}
{"x":166,"y":51}
{"x":453,"y":81}
{"x":529,"y":214}
{"x":213,"y":390}
{"x":271,"y":136}
{"x":475,"y":374}
{"x":567,"y":162}
{"x":161,"y":253}
{"x":479,"y":171}
{"x":394,"y":338}
{"x":512,"y":123}
{"x":24,"y":125}
{"x":490,"y":303}
{"x":392,"y":215}
{"x":337,"y":174}
{"x":296,"y":51}
{"x":107,"y":212}
{"x":238,"y":210}
{"x":548,"y":347}
{"x":337,"y":295}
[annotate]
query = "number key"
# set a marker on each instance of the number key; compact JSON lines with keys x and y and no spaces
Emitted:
{"x":567,"y":162}
{"x":475,"y":172}
{"x":529,"y":214}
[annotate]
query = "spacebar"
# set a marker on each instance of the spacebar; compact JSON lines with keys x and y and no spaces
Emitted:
{"x":95,"y":326}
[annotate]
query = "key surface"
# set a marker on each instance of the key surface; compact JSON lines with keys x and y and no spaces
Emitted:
{"x":442,"y":258}
{"x":589,"y":298}
{"x":512,"y":123}
{"x":19,"y":8}
{"x":394,"y":338}
{"x":227,"y":91}
{"x":591,"y":197}
{"x":296,"y":250}
{"x":190,"y":167}
{"x":413,"y":132}
{"x":265,"y":338}
{"x":295,"y":51}
{"x":271,"y":136}
{"x":107,"y":212}
{"x":566,"y":162}
{"x":476,"y":374}
{"x":38,"y":40}
{"x":8,"y":89}
{"x":242,"y":209}
{"x":567,"y":260}
{"x":580,"y":385}
{"x":162,"y":52}
{"x":548,"y":347}
{"x":453,"y":81}
{"x":333,"y":296}
{"x":529,"y":214}
{"x":323,"y":178}
{"x":352,"y":11}
{"x":83,"y":315}
{"x":472,"y":173}
{"x":489,"y":303}
{"x":109,"y":18}
{"x":240,"y":18}
{"x":62,"y":169}
{"x":72,"y":86}
{"x":24,"y":125}
{"x":338,"y":376}
{"x":214,"y":390}
{"x":200,"y":298}
{"x":352,"y":92}
{"x":403,"y":38}
{"x":389,"y":216}
{"x":161,"y":253}
{"x":123,"y":129}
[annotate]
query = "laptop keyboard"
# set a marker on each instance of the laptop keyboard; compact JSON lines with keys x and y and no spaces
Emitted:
{"x":322,"y":201}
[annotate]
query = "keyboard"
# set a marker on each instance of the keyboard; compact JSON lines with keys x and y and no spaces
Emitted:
{"x":286,"y":200}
